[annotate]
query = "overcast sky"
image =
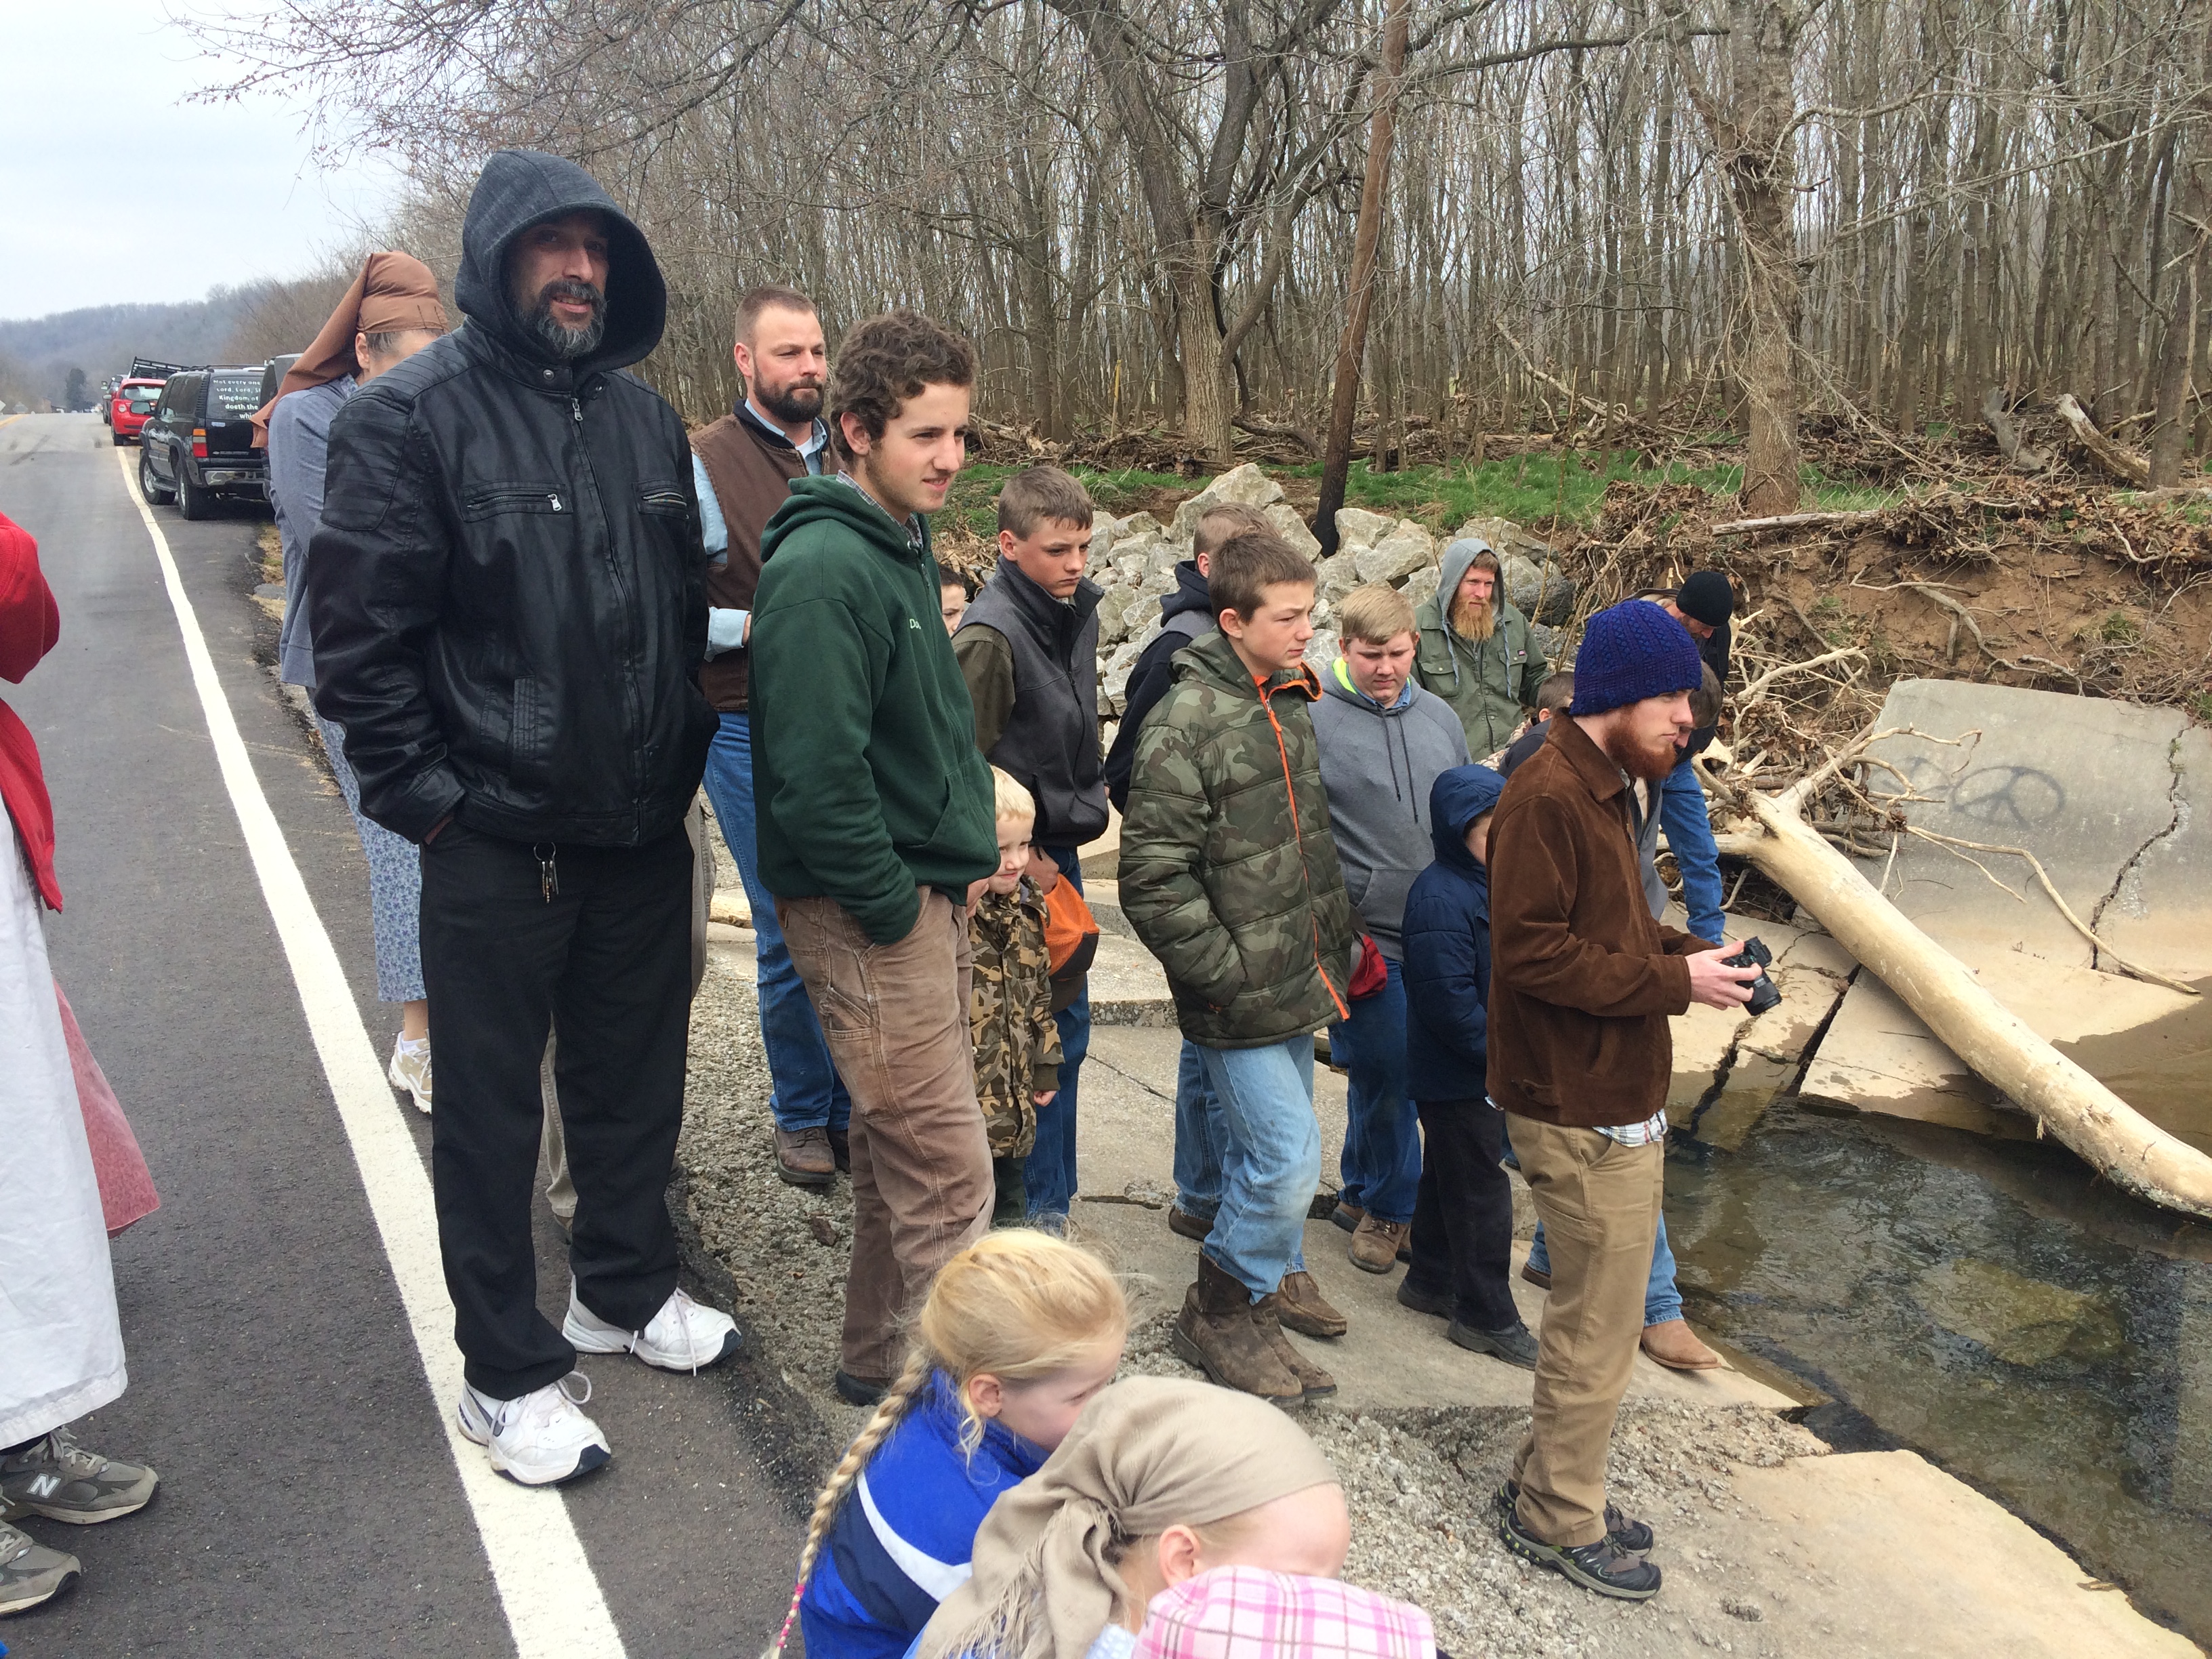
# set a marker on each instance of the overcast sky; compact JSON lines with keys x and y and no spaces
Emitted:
{"x":113,"y":188}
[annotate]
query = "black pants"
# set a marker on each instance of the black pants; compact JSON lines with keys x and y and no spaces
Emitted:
{"x":608,"y":956}
{"x":1463,"y":1214}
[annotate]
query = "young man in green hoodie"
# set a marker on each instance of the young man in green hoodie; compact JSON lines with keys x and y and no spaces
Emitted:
{"x":875,"y":813}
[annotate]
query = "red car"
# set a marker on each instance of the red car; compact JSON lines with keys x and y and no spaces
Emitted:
{"x":133,"y":401}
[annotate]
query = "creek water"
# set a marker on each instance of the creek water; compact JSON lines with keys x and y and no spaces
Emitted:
{"x":1986,"y":1304}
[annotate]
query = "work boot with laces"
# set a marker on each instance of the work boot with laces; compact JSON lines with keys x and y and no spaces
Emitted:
{"x":1216,"y":1332}
{"x":1376,"y":1244}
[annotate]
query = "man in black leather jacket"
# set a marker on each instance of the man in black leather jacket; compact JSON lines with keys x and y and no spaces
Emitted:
{"x":508,"y":598}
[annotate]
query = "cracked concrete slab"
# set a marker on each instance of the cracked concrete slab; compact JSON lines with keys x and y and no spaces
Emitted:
{"x":2107,"y":796}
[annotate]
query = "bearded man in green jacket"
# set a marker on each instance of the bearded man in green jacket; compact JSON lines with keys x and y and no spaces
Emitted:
{"x":1476,"y":651}
{"x":875,"y":816}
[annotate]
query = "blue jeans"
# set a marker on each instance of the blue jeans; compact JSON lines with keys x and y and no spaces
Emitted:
{"x":1049,"y":1172}
{"x":806,"y":1092}
{"x":1689,"y":829}
{"x":1382,"y":1164}
{"x":1274,"y":1158}
{"x":1201,"y":1143}
{"x":1662,"y":1301}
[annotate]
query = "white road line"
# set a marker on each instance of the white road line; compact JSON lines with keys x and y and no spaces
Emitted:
{"x":546,"y":1585}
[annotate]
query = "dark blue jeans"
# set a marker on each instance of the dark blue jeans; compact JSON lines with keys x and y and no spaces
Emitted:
{"x":1049,"y":1172}
{"x":1381,"y":1168}
{"x":807,"y":1093}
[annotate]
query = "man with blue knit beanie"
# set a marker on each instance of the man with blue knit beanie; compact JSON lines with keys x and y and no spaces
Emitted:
{"x":1582,"y":984}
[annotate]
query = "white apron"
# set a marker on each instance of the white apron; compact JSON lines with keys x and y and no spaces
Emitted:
{"x":61,"y":1346}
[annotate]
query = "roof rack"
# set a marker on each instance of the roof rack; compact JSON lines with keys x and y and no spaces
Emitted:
{"x":148,"y":368}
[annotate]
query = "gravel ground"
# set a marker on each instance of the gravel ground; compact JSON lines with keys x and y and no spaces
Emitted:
{"x":1419,"y":1482}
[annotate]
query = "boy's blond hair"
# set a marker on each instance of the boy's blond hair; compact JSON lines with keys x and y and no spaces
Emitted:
{"x":1018,"y":1304}
{"x":1015,"y":804}
{"x":1375,"y":615}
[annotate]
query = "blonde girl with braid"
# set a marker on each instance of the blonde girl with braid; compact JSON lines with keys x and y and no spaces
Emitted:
{"x":1019,"y":1333}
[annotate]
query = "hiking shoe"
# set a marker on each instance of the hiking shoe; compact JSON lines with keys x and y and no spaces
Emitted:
{"x":804,"y":1157}
{"x":1539,"y":1277}
{"x":1184,"y":1225}
{"x":1515,"y":1345}
{"x":1631,"y":1535}
{"x":1313,"y":1381}
{"x":841,"y":1149}
{"x":540,"y":1439}
{"x":1604,"y":1566}
{"x":1348,"y":1217}
{"x":409,"y":1071}
{"x":684,"y":1336}
{"x":1306,"y":1310}
{"x":60,"y":1479}
{"x":30,"y":1573}
{"x":1410,"y":1295}
{"x":1673,"y":1344}
{"x":859,"y":1390}
{"x":1376,"y":1244}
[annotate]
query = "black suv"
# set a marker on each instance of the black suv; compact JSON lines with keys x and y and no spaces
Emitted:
{"x":199,"y":445}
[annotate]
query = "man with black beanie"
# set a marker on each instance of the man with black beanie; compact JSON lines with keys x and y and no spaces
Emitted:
{"x":1703,"y":604}
{"x":1582,"y":983}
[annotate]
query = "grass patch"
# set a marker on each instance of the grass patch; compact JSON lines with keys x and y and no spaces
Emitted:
{"x":973,"y":503}
{"x":2119,"y":629}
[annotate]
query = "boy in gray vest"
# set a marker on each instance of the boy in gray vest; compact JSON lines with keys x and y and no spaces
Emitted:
{"x":1028,"y":647}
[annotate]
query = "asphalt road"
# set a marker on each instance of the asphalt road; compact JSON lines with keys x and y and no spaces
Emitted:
{"x":310,"y":1503}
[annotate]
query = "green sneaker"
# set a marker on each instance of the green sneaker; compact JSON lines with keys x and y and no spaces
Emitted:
{"x":60,"y":1479}
{"x":31,"y":1573}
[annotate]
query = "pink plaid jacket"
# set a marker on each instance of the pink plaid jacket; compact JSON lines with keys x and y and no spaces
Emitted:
{"x":1246,"y":1613}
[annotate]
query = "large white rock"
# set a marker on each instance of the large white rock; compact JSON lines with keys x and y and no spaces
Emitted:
{"x":1406,"y":548}
{"x":1114,"y":676}
{"x":1293,"y":529}
{"x":1103,"y":529}
{"x":1357,"y":528}
{"x":1321,"y":649}
{"x":1338,"y":574}
{"x":1505,"y":537}
{"x":1244,"y":486}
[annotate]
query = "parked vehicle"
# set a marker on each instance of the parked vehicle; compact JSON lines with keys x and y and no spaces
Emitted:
{"x":198,"y":446}
{"x":133,"y":401}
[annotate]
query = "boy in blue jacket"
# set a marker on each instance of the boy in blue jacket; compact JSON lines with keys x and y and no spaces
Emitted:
{"x":1463,"y":1235}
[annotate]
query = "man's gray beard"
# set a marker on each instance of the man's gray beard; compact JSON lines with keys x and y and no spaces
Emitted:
{"x":784,"y":404}
{"x":567,"y":343}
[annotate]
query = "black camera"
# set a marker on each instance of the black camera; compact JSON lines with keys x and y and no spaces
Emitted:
{"x":1755,"y":954}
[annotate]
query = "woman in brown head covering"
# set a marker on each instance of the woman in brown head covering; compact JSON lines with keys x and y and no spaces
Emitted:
{"x":391,"y":313}
{"x":1162,"y":1479}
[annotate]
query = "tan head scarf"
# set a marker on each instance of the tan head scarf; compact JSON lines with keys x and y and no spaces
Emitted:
{"x":1149,"y":1453}
{"x":393,"y":291}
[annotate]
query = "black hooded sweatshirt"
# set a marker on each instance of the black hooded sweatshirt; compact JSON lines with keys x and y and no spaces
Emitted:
{"x":1185,"y":614}
{"x":507,"y":588}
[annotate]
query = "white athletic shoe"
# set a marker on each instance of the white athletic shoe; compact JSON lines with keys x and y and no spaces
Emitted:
{"x":682,"y":1336}
{"x":540,"y":1439}
{"x":410,"y":1072}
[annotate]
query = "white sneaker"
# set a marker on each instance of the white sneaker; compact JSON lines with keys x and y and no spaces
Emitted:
{"x":540,"y":1439}
{"x":410,"y":1072}
{"x":682,"y":1336}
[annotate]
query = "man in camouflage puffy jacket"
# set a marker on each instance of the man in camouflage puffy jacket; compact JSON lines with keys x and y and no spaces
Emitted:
{"x":1229,"y":877}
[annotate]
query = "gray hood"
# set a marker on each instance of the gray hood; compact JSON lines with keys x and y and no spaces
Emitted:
{"x":1452,"y":569}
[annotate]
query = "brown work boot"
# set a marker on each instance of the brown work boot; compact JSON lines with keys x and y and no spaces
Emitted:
{"x":803,"y":1158}
{"x":1375,"y":1244}
{"x":1216,"y":1333}
{"x":1267,"y":1313}
{"x":1306,"y":1310}
{"x":1184,"y":1225}
{"x":1675,"y":1346}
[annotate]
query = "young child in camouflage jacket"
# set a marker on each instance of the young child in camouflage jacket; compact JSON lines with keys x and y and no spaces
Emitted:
{"x":1010,"y":1005}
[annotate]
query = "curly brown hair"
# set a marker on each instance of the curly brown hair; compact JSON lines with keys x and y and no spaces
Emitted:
{"x":886,"y":360}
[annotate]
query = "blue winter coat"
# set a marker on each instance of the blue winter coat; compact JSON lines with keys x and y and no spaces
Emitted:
{"x":1447,"y":964}
{"x":901,"y":1542}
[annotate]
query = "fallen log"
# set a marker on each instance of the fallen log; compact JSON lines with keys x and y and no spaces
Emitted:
{"x":1835,"y":520}
{"x":2123,"y":463}
{"x":2096,"y":1124}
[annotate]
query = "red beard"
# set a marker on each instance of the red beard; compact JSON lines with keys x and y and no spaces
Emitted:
{"x":1651,"y":764}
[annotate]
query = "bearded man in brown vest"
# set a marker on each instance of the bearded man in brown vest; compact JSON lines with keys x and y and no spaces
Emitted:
{"x":745,"y":462}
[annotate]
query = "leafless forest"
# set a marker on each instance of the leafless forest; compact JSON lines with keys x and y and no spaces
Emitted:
{"x":1625,"y":219}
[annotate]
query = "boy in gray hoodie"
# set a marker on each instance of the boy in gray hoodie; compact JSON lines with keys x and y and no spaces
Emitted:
{"x":1384,"y":741}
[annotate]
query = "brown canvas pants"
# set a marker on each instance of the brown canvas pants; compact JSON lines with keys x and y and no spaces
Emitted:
{"x":895,"y":1016}
{"x":1600,"y":1203}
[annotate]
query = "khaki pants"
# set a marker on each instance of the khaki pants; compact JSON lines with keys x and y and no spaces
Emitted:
{"x":1600,"y":1203}
{"x":895,"y":1016}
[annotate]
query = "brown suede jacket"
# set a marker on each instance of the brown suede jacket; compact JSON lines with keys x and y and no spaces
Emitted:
{"x":1581,"y":978}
